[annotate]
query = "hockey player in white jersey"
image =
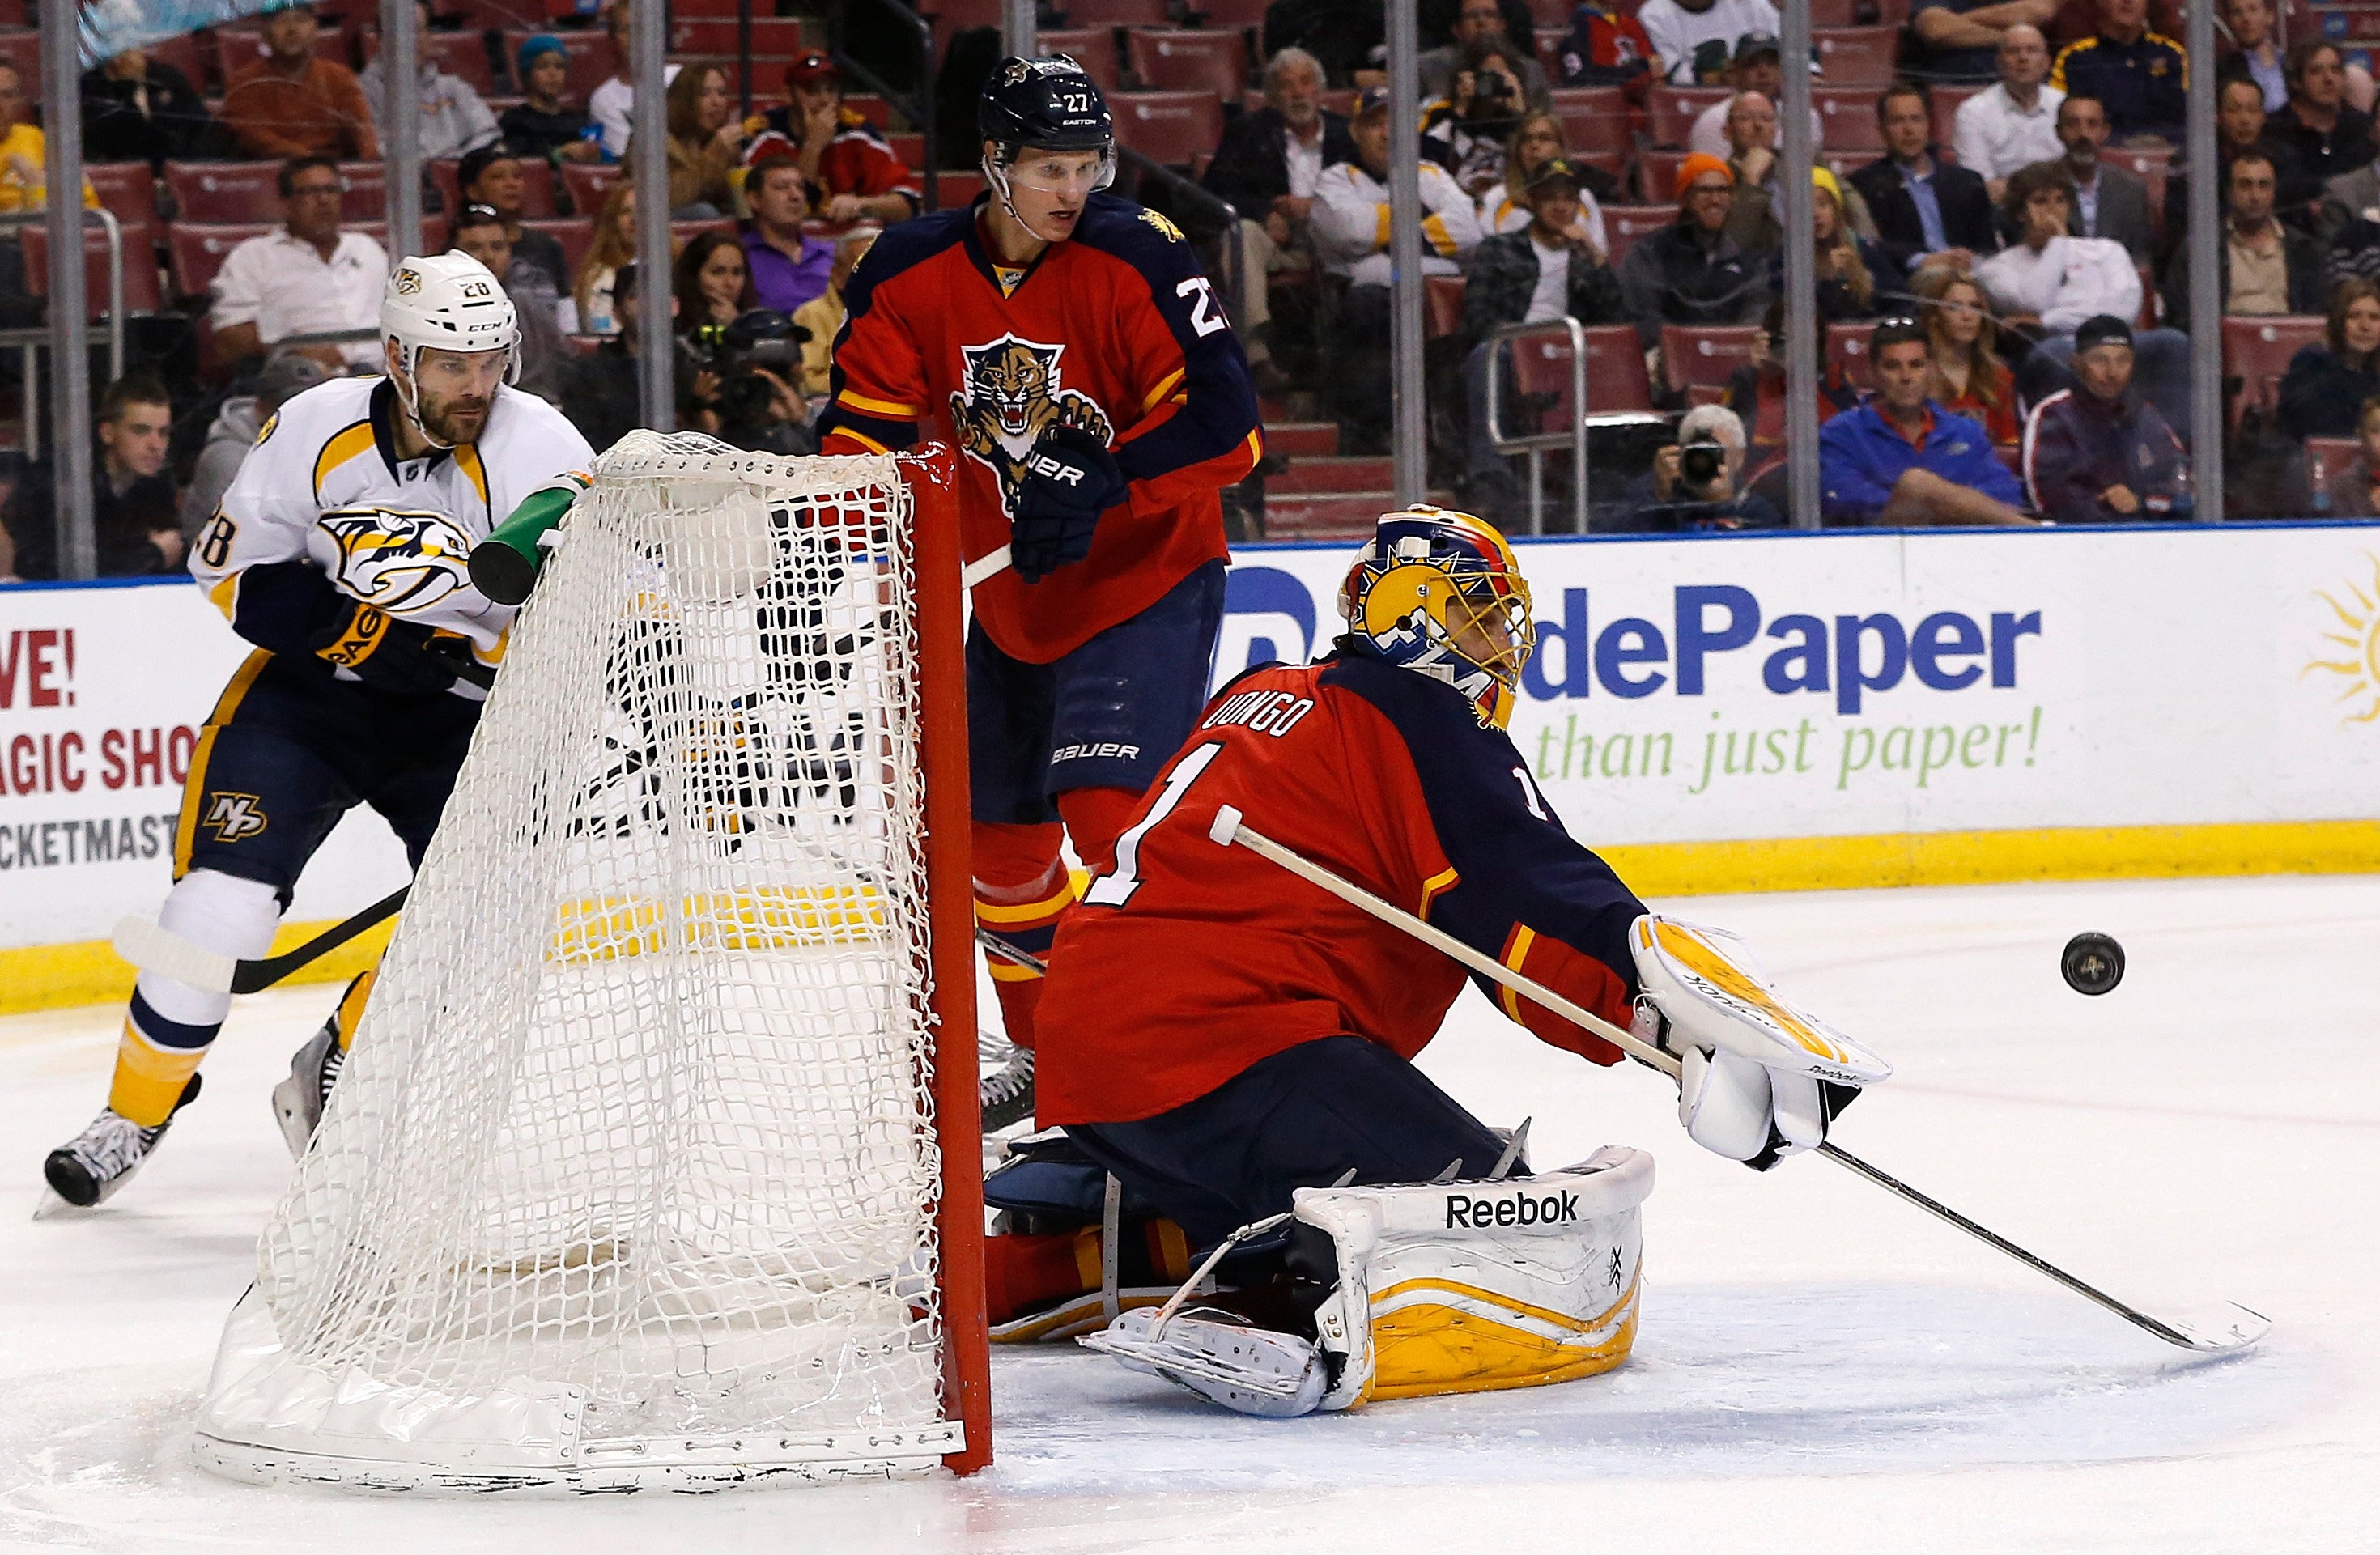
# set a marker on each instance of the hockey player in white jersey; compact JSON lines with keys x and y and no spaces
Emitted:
{"x":340,"y":552}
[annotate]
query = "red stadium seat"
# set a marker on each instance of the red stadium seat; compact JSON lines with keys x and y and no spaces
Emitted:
{"x":1548,"y":42}
{"x":1615,"y":163}
{"x":1847,"y":350}
{"x":1850,"y":57}
{"x":1657,"y":174}
{"x":1848,"y":115}
{"x":1244,"y":15}
{"x":1594,"y":119}
{"x":1707,"y":355}
{"x":224,"y":191}
{"x":1673,"y":110}
{"x":141,"y":291}
{"x":1625,"y":223}
{"x":1947,"y":98}
{"x":1115,"y":13}
{"x":2257,"y":352}
{"x":1172,"y":127}
{"x":1442,"y":305}
{"x":128,"y":188}
{"x":240,"y":47}
{"x":1552,"y":13}
{"x":591,"y":63}
{"x":2325,"y":456}
{"x":771,"y":35}
{"x":185,"y":51}
{"x":21,"y":47}
{"x":588,"y":184}
{"x":2151,"y":165}
{"x":909,"y":148}
{"x":953,"y":190}
{"x":461,"y":55}
{"x":1168,"y":60}
{"x":1615,"y":372}
{"x":1834,"y":13}
{"x":1093,"y":48}
{"x":196,"y":251}
{"x":2150,"y":300}
{"x":870,"y":106}
{"x":492,"y":16}
{"x":575,"y":234}
{"x":367,"y":197}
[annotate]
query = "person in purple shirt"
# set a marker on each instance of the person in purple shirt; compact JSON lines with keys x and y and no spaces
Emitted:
{"x":788,"y":267}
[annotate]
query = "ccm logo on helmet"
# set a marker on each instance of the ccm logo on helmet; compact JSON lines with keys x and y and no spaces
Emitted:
{"x":1476,"y":1214}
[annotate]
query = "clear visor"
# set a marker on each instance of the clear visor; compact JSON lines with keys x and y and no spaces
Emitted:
{"x":1064,"y":174}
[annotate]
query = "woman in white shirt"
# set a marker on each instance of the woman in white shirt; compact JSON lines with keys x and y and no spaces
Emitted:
{"x":1537,"y":139}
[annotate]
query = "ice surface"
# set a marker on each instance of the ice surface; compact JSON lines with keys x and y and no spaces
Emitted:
{"x":1821,"y":1368}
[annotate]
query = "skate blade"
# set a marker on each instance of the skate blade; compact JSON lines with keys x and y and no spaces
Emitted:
{"x":1171,"y":1361}
{"x":289,"y":1112}
{"x":50,"y":1207}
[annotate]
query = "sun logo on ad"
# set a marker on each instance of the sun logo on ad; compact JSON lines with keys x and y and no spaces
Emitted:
{"x":2358,"y":647}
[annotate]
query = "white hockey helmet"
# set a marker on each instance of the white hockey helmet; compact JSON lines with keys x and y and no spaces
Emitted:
{"x":449,"y":301}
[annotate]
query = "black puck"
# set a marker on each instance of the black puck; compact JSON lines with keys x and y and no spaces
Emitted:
{"x":2092,"y":964}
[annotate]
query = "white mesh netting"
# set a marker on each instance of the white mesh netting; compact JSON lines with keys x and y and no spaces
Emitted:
{"x":632,"y":1162}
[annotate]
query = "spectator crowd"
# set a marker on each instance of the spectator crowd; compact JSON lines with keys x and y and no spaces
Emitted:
{"x":2000,"y":261}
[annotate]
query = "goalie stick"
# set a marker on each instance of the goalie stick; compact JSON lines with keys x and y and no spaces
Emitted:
{"x":2234,"y":1328}
{"x":155,"y":948}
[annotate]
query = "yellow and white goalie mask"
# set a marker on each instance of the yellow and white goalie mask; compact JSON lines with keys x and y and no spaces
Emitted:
{"x":1440,"y":1288}
{"x":1440,"y":592}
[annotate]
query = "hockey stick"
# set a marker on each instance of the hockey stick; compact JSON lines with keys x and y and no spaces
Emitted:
{"x":992,"y":563}
{"x":156,"y":949}
{"x":1007,"y":952}
{"x":2233,"y":1328}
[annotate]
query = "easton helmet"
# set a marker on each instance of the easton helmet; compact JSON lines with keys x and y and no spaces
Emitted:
{"x":1440,"y":592}
{"x":1042,"y":106}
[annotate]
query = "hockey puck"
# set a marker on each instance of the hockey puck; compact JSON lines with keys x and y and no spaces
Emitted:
{"x":2092,"y":964}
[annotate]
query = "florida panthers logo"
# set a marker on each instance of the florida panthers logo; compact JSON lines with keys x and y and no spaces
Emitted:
{"x":1012,"y":393}
{"x":402,"y":561}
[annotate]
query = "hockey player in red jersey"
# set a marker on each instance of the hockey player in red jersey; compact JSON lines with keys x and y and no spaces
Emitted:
{"x":1065,"y":342}
{"x":1219,"y":1034}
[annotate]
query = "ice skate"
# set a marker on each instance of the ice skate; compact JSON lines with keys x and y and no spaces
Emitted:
{"x":1007,"y":1083}
{"x":297,"y":1102}
{"x":86,"y":1170}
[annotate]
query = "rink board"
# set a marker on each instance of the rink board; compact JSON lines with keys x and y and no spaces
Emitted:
{"x":1738,"y":713}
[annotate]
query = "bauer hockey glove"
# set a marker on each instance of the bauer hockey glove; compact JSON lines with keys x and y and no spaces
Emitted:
{"x":390,"y":655}
{"x":1758,"y":1078}
{"x":1070,"y":478}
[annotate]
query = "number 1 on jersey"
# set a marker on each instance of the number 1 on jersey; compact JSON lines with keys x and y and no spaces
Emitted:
{"x":1114,"y":889}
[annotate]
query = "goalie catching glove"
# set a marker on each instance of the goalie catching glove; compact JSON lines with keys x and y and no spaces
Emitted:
{"x":1759,"y":1079}
{"x":1070,"y":478}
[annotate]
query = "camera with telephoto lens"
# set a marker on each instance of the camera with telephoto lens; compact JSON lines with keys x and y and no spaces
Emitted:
{"x":1701,"y":462}
{"x":735,"y":353}
{"x":1495,"y":97}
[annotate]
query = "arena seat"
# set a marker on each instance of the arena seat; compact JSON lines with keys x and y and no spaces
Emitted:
{"x":1854,"y":56}
{"x":1172,"y":127}
{"x":1167,"y":59}
{"x":589,"y":183}
{"x":2151,"y":166}
{"x":1947,"y":98}
{"x":575,"y":234}
{"x":460,"y":55}
{"x":1705,"y":354}
{"x":1657,"y":174}
{"x":127,"y":189}
{"x":1671,"y":111}
{"x":1594,"y":119}
{"x":1093,"y":48}
{"x":1849,"y":115}
{"x":771,"y":35}
{"x":1615,"y":369}
{"x":140,"y":288}
{"x":1625,"y":223}
{"x":1115,"y":13}
{"x":1442,"y":306}
{"x":2256,"y":351}
{"x":224,"y":191}
{"x":1847,"y":351}
{"x":1242,"y":14}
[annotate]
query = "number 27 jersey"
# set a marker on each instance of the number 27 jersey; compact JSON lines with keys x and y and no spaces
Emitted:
{"x":1189,"y":961}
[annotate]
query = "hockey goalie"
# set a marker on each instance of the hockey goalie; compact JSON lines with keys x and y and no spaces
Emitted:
{"x":1232,"y":1048}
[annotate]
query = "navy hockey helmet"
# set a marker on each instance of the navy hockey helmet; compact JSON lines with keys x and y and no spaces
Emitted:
{"x":1042,"y":106}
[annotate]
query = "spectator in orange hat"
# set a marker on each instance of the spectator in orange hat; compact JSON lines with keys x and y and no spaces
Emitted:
{"x":849,"y":163}
{"x":1692,"y":272}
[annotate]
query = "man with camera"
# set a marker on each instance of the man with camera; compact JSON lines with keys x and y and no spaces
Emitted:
{"x":1480,"y":25}
{"x":736,"y":383}
{"x":1695,"y":482}
{"x":1465,"y":130}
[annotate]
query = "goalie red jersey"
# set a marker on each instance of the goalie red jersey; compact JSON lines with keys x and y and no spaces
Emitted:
{"x":1115,"y":333}
{"x":1190,"y":961}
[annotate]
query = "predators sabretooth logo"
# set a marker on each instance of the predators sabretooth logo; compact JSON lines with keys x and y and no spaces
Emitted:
{"x":398,"y":559}
{"x":1012,"y":393}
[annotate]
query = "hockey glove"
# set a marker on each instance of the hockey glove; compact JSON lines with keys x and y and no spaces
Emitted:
{"x":1070,"y":478}
{"x":1758,"y":1078}
{"x":389,"y":654}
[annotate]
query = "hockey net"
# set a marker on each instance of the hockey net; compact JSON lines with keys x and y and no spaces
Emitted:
{"x":636,"y":1172}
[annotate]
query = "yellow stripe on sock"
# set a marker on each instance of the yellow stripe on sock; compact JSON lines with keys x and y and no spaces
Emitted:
{"x":150,"y":1079}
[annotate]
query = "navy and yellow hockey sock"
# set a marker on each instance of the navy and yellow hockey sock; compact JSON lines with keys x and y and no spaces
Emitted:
{"x":154,"y":1060}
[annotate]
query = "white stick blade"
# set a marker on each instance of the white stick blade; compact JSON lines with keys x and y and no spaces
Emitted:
{"x":2227,"y":1327}
{"x":1226,"y":827}
{"x":153,"y":949}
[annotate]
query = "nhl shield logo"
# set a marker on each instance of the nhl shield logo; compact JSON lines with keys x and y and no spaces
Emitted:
{"x":400,"y":561}
{"x":1013,"y":393}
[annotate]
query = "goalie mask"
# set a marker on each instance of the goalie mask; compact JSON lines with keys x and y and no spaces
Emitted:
{"x":1032,"y":105}
{"x":451,"y":302}
{"x":1440,"y":592}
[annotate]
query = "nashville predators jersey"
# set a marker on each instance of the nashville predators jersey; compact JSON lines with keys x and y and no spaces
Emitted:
{"x":1114,"y":331}
{"x":1186,"y":962}
{"x":324,"y":486}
